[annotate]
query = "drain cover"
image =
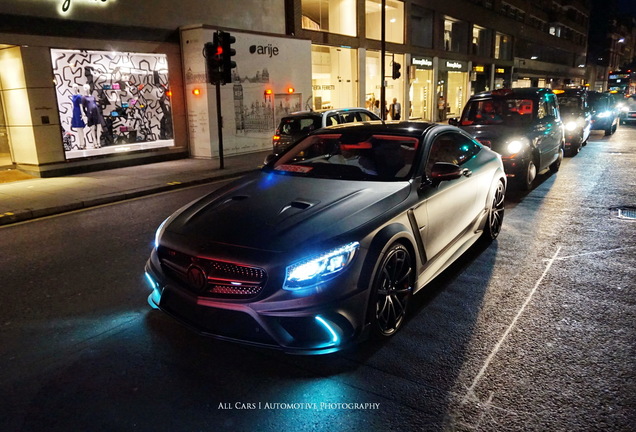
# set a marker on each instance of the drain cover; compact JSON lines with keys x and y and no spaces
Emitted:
{"x":626,"y":213}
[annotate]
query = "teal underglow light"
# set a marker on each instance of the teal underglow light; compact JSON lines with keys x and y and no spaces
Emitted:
{"x":151,"y":281}
{"x":325,"y":324}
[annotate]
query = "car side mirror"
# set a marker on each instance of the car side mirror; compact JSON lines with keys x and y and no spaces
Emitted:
{"x":269,"y":158}
{"x":443,"y":171}
{"x":453,"y":121}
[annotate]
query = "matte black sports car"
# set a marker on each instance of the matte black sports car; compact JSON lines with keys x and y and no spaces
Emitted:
{"x":326,"y":244}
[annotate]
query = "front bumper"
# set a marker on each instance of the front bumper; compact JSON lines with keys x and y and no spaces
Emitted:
{"x":313,"y":324}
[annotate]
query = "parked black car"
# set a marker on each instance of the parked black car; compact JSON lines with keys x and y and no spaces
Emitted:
{"x":299,"y":124}
{"x":522,"y":124}
{"x":328,"y":242}
{"x":605,"y":115}
{"x":577,"y":118}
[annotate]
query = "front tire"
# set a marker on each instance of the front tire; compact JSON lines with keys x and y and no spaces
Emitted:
{"x":392,"y":291}
{"x":525,"y":179}
{"x":557,"y":163}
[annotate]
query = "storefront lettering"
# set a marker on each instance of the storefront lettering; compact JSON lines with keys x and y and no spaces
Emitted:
{"x":423,"y":62}
{"x":324,"y":87}
{"x":453,"y":65}
{"x":267,"y":50}
{"x":66,"y":4}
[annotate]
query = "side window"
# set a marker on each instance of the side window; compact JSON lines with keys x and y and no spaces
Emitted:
{"x":542,"y":110}
{"x":452,"y":148}
{"x":365,"y":117}
{"x":332,"y":120}
{"x":552,"y":106}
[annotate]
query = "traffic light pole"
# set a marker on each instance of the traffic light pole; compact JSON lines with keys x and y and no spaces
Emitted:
{"x":219,"y":121}
{"x":382,"y":62}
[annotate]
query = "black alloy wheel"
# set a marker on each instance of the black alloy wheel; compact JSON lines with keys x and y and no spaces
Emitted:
{"x":392,"y":288}
{"x":494,"y":221}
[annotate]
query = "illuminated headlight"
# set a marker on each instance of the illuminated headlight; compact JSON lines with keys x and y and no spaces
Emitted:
{"x":516,"y":145}
{"x":571,"y":126}
{"x":317,"y":269}
{"x":624,"y":108}
{"x":604,"y":114}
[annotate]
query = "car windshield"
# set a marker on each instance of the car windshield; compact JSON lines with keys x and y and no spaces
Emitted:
{"x":570,"y":104}
{"x":500,"y":111}
{"x":298,"y":125}
{"x":351,"y":156}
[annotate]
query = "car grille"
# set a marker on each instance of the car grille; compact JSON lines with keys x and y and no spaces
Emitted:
{"x":212,"y":278}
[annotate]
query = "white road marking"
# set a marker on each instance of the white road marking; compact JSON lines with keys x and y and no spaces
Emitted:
{"x":491,"y":356}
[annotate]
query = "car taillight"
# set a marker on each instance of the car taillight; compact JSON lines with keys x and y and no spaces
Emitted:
{"x":276,"y":138}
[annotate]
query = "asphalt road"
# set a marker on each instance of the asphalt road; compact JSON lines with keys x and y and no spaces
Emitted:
{"x":537,"y":332}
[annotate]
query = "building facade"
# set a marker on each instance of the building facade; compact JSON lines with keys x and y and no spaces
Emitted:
{"x":87,"y":84}
{"x":450,"y":50}
{"x":92,"y":84}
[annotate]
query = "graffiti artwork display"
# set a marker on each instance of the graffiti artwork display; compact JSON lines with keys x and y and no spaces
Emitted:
{"x":112,"y":101}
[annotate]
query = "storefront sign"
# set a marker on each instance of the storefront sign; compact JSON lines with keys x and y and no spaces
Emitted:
{"x":454,"y":65}
{"x":324,"y":87}
{"x":423,"y":61}
{"x":65,"y":5}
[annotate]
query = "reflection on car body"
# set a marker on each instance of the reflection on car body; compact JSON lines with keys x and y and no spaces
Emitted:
{"x":328,"y":242}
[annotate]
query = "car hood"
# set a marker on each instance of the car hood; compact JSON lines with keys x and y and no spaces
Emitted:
{"x":276,"y":212}
{"x":495,"y":137}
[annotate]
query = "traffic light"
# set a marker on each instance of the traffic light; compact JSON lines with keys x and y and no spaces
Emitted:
{"x":212,"y":51}
{"x":227,"y":52}
{"x":396,"y":70}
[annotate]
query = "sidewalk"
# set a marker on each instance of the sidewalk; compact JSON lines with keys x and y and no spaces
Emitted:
{"x":37,"y":197}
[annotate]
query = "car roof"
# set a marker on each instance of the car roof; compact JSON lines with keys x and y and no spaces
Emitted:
{"x":525,"y":92}
{"x":411,"y":128}
{"x":320,"y":113}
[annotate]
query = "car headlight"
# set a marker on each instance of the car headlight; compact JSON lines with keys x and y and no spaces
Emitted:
{"x":516,"y":145}
{"x":604,"y":114}
{"x":571,"y":126}
{"x":314,"y":270}
{"x":624,"y":108}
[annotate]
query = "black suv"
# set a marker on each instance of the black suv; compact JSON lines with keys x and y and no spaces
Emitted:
{"x":523,"y":125}
{"x":577,"y":118}
{"x":299,"y":124}
{"x":605,"y":115}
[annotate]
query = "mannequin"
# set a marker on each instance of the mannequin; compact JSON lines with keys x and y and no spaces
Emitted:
{"x":77,"y":122}
{"x":94,"y":118}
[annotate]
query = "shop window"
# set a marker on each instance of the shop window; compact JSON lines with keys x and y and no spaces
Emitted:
{"x":455,"y":35}
{"x":333,"y":16}
{"x":421,"y":26}
{"x":394,"y":20}
{"x":333,"y":77}
{"x":503,"y":47}
{"x":480,"y":41}
{"x":374,"y":80}
{"x":112,"y":102}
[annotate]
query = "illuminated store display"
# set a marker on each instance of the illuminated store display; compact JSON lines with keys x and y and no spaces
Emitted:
{"x":112,"y":102}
